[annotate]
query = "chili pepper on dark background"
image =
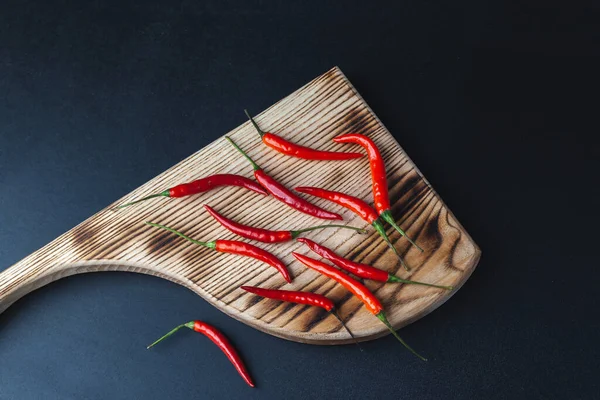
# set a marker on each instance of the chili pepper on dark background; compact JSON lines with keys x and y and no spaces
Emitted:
{"x":220,"y":340}
{"x":281,"y":145}
{"x":236,"y":247}
{"x":361,"y":270}
{"x":282,"y":193}
{"x":358,"y":289}
{"x":378,"y":178}
{"x":357,"y":206}
{"x":311,"y":299}
{"x":266,"y":235}
{"x":204,"y":185}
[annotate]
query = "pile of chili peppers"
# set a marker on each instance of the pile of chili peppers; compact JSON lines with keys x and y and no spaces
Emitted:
{"x":267,"y":185}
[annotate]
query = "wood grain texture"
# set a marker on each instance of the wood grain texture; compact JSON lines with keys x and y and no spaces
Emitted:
{"x":313,"y":115}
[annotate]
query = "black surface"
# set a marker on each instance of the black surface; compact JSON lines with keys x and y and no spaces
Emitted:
{"x":496,"y":103}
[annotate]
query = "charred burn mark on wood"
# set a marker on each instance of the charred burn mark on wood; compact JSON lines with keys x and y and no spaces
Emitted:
{"x":431,"y":231}
{"x":255,"y":299}
{"x":416,"y":195}
{"x":284,"y":310}
{"x":410,"y":183}
{"x":160,"y":241}
{"x":267,"y":310}
{"x":341,"y":302}
{"x":379,"y":251}
{"x":333,"y":178}
{"x":262,"y":282}
{"x":331,"y":74}
{"x":83,"y":234}
{"x":356,"y":121}
{"x":321,"y":314}
{"x":301,"y":309}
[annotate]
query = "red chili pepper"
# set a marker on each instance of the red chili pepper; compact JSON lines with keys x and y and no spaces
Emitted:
{"x":265,"y":235}
{"x":358,"y":207}
{"x":295,"y":150}
{"x":282,"y":193}
{"x":361,"y":270}
{"x":236,"y":247}
{"x":378,"y":177}
{"x":220,"y":340}
{"x":358,"y":289}
{"x":311,"y":299}
{"x":204,"y":185}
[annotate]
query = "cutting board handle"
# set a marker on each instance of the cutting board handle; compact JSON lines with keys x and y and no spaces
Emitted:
{"x":20,"y":279}
{"x":25,"y":277}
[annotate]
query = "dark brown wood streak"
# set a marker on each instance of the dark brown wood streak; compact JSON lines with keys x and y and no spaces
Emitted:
{"x":313,"y":115}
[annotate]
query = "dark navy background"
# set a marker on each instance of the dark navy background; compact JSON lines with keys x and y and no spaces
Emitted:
{"x":497,"y":103}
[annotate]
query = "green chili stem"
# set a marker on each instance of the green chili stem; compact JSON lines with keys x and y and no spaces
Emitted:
{"x":335,"y":314}
{"x":260,"y":131}
{"x":172,"y":331}
{"x":378,"y":225}
{"x":210,"y":245}
{"x":254,"y":165}
{"x":395,"y":279}
{"x":161,"y":194}
{"x":383,"y":319}
{"x":387,"y":216}
{"x":296,"y":233}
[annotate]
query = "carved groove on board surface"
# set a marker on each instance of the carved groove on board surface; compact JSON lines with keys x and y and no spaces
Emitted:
{"x":314,"y":114}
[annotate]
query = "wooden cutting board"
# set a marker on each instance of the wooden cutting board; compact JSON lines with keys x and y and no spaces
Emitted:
{"x":314,"y":114}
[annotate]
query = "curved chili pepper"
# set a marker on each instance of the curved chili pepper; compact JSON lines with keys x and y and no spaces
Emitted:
{"x":311,"y":299}
{"x":361,"y":270}
{"x":204,"y":185}
{"x":220,"y":340}
{"x":354,"y":204}
{"x":236,"y":247}
{"x":378,"y":178}
{"x":358,"y":289}
{"x":265,"y":235}
{"x":282,"y":193}
{"x":357,"y":206}
{"x":281,"y":145}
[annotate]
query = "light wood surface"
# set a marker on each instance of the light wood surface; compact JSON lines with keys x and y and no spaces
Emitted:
{"x":324,"y":108}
